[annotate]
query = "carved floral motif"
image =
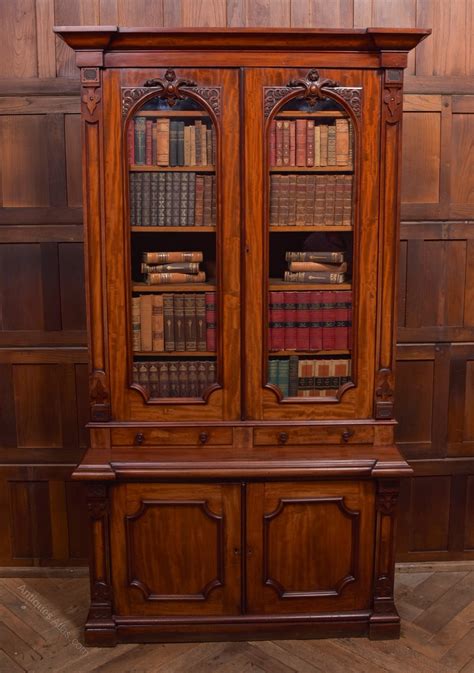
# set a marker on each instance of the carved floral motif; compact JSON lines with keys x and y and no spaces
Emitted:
{"x":393,"y":100}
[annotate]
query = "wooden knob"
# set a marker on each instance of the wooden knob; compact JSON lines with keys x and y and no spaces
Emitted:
{"x":283,"y":437}
{"x":347,"y":434}
{"x":203,"y":437}
{"x":139,"y":438}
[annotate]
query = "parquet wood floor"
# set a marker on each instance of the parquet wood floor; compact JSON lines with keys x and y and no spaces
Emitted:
{"x":41,"y":618}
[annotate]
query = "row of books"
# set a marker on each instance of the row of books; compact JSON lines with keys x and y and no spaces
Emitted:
{"x":172,"y":199}
{"x":175,"y":378}
{"x":308,"y":271}
{"x":304,"y":142}
{"x":311,"y":200}
{"x":303,"y":377}
{"x":307,"y":321}
{"x":174,"y":322}
{"x":162,"y":142}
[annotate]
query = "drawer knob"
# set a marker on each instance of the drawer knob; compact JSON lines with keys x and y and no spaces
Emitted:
{"x":347,"y":434}
{"x":203,"y":437}
{"x":139,"y":438}
{"x":283,"y":437}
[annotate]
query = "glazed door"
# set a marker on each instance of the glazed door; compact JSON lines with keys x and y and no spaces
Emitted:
{"x":309,"y":547}
{"x":311,"y":221}
{"x":176,"y":549}
{"x":172,"y":243}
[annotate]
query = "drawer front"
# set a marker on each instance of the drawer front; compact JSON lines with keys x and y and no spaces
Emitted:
{"x":341,"y":434}
{"x":171,"y":436}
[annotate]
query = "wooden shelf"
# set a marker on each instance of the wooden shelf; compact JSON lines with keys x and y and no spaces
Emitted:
{"x":312,"y":169}
{"x":281,"y":285}
{"x":171,"y":113}
{"x":172,"y":354}
{"x":174,"y":287}
{"x":287,"y":353}
{"x":299,"y":114}
{"x":309,"y":228}
{"x":145,"y":230}
{"x":133,"y":168}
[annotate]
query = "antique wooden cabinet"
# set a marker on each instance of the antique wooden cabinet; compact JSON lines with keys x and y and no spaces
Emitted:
{"x":241,"y":196}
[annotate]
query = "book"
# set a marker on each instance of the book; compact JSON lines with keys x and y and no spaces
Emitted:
{"x":329,"y":319}
{"x":317,"y":266}
{"x":211,"y":341}
{"x":178,"y":316}
{"x":148,"y":142}
{"x":145,"y":322}
{"x":277,"y":321}
{"x":293,"y":376}
{"x":182,"y":267}
{"x":290,"y":320}
{"x":136,"y":324}
{"x":146,"y":199}
{"x":342,"y":142}
{"x":168,"y":320}
{"x":316,"y":320}
{"x":157,"y":325}
{"x":173,"y":145}
{"x":334,"y":257}
{"x":201,"y":325}
{"x":169,"y":278}
{"x":163,"y":141}
{"x":301,"y":142}
{"x":190,"y":331}
{"x":171,"y":257}
{"x":313,"y":277}
{"x":140,"y":130}
{"x":279,"y":143}
{"x":131,"y":142}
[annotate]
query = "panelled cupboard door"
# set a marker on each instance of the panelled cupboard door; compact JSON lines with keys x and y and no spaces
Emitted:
{"x":171,"y":186}
{"x":309,"y":547}
{"x":176,"y":549}
{"x":311,"y":158}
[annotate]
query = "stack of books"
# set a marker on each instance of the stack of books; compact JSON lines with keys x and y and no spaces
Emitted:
{"x":315,"y":267}
{"x":305,"y":143}
{"x":159,"y":268}
{"x":172,"y":199}
{"x":310,"y":320}
{"x":311,"y":200}
{"x":163,"y":142}
{"x":175,"y":378}
{"x":301,"y":377}
{"x":174,"y":322}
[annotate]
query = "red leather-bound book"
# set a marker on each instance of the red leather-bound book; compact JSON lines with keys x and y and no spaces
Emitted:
{"x":301,"y":142}
{"x":303,"y":320}
{"x":290,"y":321}
{"x":329,"y":319}
{"x":131,"y":142}
{"x":341,"y":317}
{"x":211,"y":326}
{"x":276,"y":341}
{"x":316,"y":321}
{"x":273,"y":143}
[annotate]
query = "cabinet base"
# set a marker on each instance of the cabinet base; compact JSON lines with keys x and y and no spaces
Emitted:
{"x":148,"y":630}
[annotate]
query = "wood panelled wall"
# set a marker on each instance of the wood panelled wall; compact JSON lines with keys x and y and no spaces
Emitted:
{"x":43,"y":356}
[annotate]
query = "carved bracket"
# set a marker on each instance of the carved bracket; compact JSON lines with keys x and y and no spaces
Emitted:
{"x":392,"y":95}
{"x":101,"y":590}
{"x":384,"y":394}
{"x":385,"y":503}
{"x":91,"y":94}
{"x":99,"y":397}
{"x":171,"y":89}
{"x":312,"y":89}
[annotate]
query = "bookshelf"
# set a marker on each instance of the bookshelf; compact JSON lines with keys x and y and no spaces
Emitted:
{"x":242,"y":474}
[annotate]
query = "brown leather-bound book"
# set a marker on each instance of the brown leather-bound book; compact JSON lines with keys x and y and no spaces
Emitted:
{"x":192,"y":379}
{"x":158,"y":340}
{"x":201,"y":322}
{"x":153,"y":379}
{"x":202,"y":376}
{"x":136,"y":328}
{"x":209,"y":147}
{"x":317,"y":266}
{"x":279,"y":143}
{"x":331,"y":145}
{"x":171,"y":257}
{"x":168,"y":321}
{"x":179,"y":339}
{"x":323,"y":152}
{"x":204,"y":160}
{"x":145,"y":321}
{"x":342,"y":142}
{"x":309,"y":199}
{"x":301,"y":142}
{"x":183,"y":379}
{"x":273,"y":199}
{"x":322,"y":256}
{"x":300,"y":200}
{"x":187,"y":145}
{"x":339,"y":200}
{"x":170,"y":278}
{"x":143,"y":375}
{"x":292,"y":143}
{"x":179,"y":267}
{"x":198,"y":143}
{"x":272,"y":152}
{"x":347,"y":201}
{"x":190,"y":322}
{"x":309,"y":142}
{"x":317,"y":145}
{"x":319,"y":200}
{"x":199,"y":201}
{"x":314,"y":277}
{"x":290,"y":215}
{"x":286,"y":143}
{"x":207,"y":201}
{"x":164,"y":379}
{"x":174,"y":380}
{"x":192,"y":146}
{"x":330,"y":200}
{"x":163,"y":142}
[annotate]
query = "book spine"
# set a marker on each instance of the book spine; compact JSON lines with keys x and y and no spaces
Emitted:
{"x":277,"y":321}
{"x":131,"y":142}
{"x":153,"y":380}
{"x":132,"y":199}
{"x":331,"y":145}
{"x":317,"y":145}
{"x":314,"y":277}
{"x":171,"y":257}
{"x":197,"y":142}
{"x":289,"y":301}
{"x":273,"y":371}
{"x":140,"y":131}
{"x":273,"y":143}
{"x":146,"y":308}
{"x":174,"y":267}
{"x":138,"y":199}
{"x":136,"y":326}
{"x":286,"y":143}
{"x":183,"y":200}
{"x":300,"y":200}
{"x":154,"y":199}
{"x":180,"y":143}
{"x":164,"y":380}
{"x":175,"y":199}
{"x":143,"y":375}
{"x":327,"y":257}
{"x":213,"y":201}
{"x":292,"y":143}
{"x":279,"y":143}
{"x":283,"y":376}
{"x":161,"y":209}
{"x":190,"y":322}
{"x":207,"y":201}
{"x":330,"y":200}
{"x":199,"y":201}
{"x":317,"y":266}
{"x":323,"y":157}
{"x":301,"y":142}
{"x":192,"y":145}
{"x":309,"y":143}
{"x":158,"y":341}
{"x":284,"y":199}
{"x":192,"y":379}
{"x":148,"y":142}
{"x":340,"y":317}
{"x":329,"y":319}
{"x":187,"y":145}
{"x":209,"y":147}
{"x":154,"y":138}
{"x":316,"y":321}
{"x":146,"y":199}
{"x":178,"y":306}
{"x":347,"y":201}
{"x":191,"y":198}
{"x":309,"y":199}
{"x":170,"y":278}
{"x":293,"y":376}
{"x":211,"y":326}
{"x":168,"y":318}
{"x":163,"y":142}
{"x":174,"y":380}
{"x":183,"y":379}
{"x":302,"y":321}
{"x":201,"y":327}
{"x":168,"y":198}
{"x":339,"y":201}
{"x":342,"y":142}
{"x":173,"y":143}
{"x":203,"y":145}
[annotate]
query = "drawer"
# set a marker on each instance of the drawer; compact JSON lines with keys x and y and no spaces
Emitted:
{"x":201,"y":436}
{"x":340,"y":434}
